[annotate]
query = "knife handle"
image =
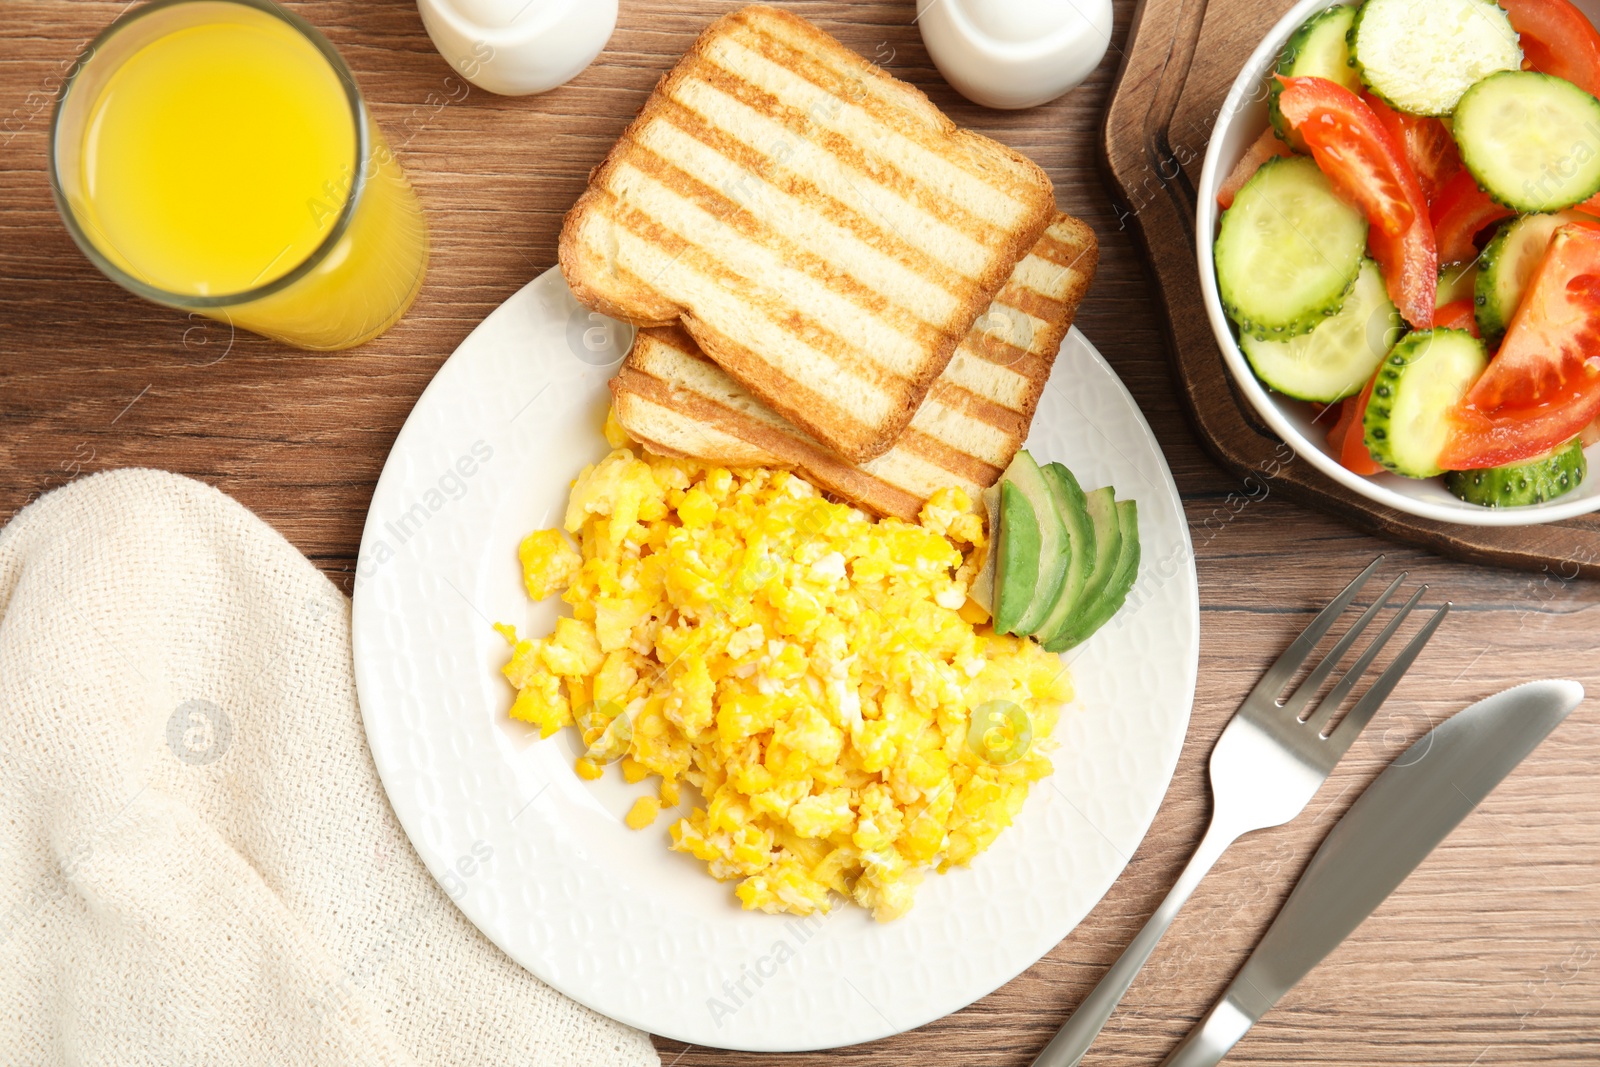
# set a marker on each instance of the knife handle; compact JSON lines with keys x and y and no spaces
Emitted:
{"x":1226,"y":1022}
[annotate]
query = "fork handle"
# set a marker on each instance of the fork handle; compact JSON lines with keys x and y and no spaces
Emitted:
{"x":1081,"y":1028}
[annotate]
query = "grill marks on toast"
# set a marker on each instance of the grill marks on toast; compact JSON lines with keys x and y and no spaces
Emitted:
{"x":1034,"y":305}
{"x":863,"y":181}
{"x":807,"y":184}
{"x":797,"y":341}
{"x":975,"y":416}
{"x":672,"y":156}
{"x":809,"y":220}
{"x":777,"y":148}
{"x":968,"y":471}
{"x":902,"y":108}
{"x":1054,"y":249}
{"x":792,"y":177}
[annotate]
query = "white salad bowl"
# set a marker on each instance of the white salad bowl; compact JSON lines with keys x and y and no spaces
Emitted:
{"x":1242,"y":118}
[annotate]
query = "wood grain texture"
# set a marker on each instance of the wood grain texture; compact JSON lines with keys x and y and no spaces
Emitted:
{"x":1487,"y":955}
{"x":1180,"y":62}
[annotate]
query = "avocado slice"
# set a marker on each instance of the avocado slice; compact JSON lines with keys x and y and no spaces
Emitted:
{"x":1074,"y":510}
{"x":1101,"y":504}
{"x":1115,"y":593}
{"x":1025,"y":474}
{"x":1017,"y":566}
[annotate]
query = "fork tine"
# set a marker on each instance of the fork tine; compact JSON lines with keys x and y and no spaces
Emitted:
{"x":1313,"y":682}
{"x":1279,"y":673}
{"x":1373,"y":699}
{"x":1318,"y":719}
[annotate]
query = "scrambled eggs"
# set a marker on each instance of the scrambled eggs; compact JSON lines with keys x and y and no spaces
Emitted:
{"x":817,"y":676}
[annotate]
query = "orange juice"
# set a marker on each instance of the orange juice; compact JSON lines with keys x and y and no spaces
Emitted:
{"x":227,"y":165}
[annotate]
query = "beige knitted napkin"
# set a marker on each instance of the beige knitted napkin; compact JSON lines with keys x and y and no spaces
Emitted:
{"x":197,"y":861}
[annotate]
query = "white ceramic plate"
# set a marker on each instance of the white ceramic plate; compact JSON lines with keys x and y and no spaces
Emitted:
{"x":540,"y":861}
{"x":1241,"y":120}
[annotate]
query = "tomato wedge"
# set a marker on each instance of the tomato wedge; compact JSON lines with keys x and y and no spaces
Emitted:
{"x":1262,"y":149}
{"x":1543,"y":386}
{"x":1347,"y":439}
{"x":1357,"y":154}
{"x":1460,"y":213}
{"x":1557,"y":39}
{"x":1425,"y":142}
{"x":1457,"y":315}
{"x":1341,"y":425}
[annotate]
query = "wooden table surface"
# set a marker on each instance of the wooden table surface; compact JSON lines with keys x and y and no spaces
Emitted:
{"x":1489,"y":954}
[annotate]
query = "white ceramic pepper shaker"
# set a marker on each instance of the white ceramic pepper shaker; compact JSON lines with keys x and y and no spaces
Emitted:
{"x":518,"y":47}
{"x":1014,"y":53}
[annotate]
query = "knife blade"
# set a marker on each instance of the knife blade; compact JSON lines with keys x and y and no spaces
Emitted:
{"x":1390,"y":829}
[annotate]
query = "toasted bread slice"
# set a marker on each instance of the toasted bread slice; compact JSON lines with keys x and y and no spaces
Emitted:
{"x":823,"y":232}
{"x":672,"y":399}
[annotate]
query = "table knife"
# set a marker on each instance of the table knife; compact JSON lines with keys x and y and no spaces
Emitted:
{"x":1388,"y":831}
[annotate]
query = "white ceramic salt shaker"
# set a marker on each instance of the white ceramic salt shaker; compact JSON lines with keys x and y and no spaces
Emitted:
{"x":1014,"y":53}
{"x":518,"y":47}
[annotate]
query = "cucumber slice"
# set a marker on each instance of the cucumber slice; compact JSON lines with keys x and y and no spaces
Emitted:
{"x":1508,"y":263}
{"x":1425,"y":375}
{"x":1102,"y":508}
{"x":1316,"y":49}
{"x":1115,"y":593}
{"x":1531,"y":140}
{"x":1532,"y":482}
{"x":1288,"y":250}
{"x":1421,"y":55}
{"x":1457,"y":281}
{"x":1337,"y":357}
{"x":1074,"y":508}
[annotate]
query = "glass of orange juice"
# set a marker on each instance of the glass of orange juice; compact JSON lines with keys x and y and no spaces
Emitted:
{"x":216,"y":156}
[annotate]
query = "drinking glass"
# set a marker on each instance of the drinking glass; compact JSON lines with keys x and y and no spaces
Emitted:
{"x":184,"y":140}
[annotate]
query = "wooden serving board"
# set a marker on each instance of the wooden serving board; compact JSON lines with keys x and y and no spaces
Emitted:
{"x":1181,"y":59}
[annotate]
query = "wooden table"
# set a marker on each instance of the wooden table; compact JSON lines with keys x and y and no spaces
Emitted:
{"x":1489,"y":954}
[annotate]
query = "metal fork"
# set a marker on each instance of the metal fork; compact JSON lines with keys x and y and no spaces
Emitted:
{"x":1270,"y":760}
